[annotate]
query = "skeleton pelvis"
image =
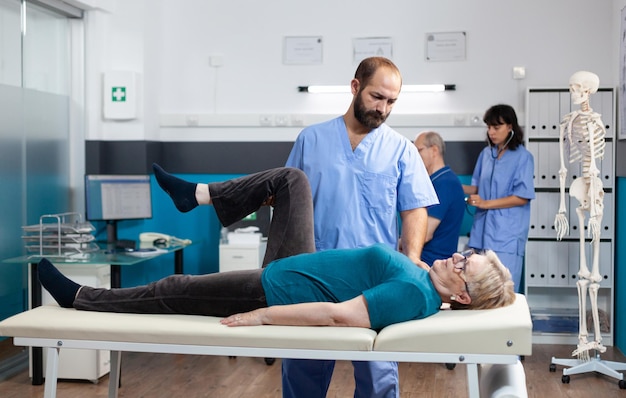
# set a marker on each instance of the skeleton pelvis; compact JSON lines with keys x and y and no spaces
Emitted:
{"x":581,"y":188}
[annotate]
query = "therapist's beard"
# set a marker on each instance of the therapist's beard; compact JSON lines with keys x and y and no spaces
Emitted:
{"x":370,"y":119}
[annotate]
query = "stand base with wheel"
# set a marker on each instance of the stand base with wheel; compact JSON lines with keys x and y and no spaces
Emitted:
{"x":595,"y":364}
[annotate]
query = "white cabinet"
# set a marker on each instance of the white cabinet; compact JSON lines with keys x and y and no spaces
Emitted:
{"x":551,"y":266}
{"x":75,"y":363}
{"x":241,"y":256}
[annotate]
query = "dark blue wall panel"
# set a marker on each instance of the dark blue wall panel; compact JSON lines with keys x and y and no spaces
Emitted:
{"x":205,"y":162}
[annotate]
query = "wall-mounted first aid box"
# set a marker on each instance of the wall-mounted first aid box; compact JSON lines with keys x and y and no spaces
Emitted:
{"x":120,"y":95}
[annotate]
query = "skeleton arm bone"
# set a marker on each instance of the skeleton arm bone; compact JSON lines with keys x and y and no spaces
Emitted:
{"x":595,"y":185}
{"x":560,"y":221}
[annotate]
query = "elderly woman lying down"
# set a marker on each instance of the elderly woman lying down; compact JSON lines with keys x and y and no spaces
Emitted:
{"x":297,"y":286}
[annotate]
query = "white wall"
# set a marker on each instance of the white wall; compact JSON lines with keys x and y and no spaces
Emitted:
{"x":170,"y":43}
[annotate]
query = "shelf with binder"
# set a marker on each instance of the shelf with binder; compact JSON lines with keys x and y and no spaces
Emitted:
{"x":551,"y":266}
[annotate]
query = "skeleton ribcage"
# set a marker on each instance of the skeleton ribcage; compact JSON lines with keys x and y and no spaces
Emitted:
{"x":577,"y":142}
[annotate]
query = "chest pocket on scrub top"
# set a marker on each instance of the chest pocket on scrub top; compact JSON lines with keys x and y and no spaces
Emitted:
{"x":378,"y":191}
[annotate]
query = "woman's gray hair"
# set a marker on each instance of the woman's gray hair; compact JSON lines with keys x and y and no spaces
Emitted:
{"x":493,"y":287}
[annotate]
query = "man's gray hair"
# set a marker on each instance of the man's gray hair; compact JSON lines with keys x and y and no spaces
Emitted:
{"x":432,"y":138}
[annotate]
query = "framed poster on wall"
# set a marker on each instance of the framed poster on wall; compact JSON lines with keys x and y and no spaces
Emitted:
{"x":371,"y":47}
{"x":302,"y":50}
{"x":446,"y":46}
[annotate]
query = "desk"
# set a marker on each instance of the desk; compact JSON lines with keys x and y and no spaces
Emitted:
{"x":114,"y":258}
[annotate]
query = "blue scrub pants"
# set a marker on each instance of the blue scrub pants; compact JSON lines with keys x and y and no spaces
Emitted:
{"x":311,"y":378}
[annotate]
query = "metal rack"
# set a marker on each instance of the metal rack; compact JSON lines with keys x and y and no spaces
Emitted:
{"x":60,"y":235}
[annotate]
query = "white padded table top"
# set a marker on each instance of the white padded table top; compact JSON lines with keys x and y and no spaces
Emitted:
{"x":501,"y":331}
{"x":53,"y":322}
{"x":505,"y":330}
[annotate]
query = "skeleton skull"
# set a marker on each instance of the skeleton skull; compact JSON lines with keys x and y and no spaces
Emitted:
{"x":582,"y":84}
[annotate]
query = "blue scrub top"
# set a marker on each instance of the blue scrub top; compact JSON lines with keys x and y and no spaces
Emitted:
{"x":503,"y":230}
{"x":357,"y":194}
{"x":449,"y":212}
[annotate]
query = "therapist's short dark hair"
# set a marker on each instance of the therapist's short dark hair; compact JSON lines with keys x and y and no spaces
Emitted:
{"x":368,"y":67}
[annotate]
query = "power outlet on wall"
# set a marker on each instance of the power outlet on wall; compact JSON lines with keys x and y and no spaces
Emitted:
{"x":297,"y":120}
{"x":281,"y":120}
{"x":476,"y":120}
{"x":192,"y":120}
{"x":460,"y":120}
{"x":216,"y":60}
{"x":519,"y":72}
{"x":266,"y":120}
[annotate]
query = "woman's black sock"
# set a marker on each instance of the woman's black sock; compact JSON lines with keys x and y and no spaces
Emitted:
{"x":183,"y":193}
{"x":58,"y":285}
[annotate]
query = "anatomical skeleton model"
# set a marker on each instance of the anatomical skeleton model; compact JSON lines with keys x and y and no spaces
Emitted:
{"x":582,"y":132}
{"x":582,"y":136}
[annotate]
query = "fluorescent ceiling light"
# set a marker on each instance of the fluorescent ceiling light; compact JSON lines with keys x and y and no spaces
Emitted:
{"x":406,"y":88}
{"x":324,"y":89}
{"x":427,"y":88}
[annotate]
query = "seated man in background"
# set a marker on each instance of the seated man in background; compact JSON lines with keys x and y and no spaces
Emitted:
{"x":444,"y":219}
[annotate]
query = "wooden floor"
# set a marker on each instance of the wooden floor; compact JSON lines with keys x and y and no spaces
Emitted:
{"x":161,"y":375}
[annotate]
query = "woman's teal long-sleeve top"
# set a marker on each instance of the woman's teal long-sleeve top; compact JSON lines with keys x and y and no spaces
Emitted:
{"x":396,"y":290}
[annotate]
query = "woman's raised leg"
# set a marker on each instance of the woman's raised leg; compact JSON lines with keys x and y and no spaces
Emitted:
{"x":287,"y":189}
{"x":291,"y":229}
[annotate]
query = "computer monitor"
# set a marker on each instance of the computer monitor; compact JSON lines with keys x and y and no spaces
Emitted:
{"x":113,"y":198}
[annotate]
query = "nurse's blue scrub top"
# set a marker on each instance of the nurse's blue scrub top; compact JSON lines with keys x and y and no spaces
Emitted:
{"x":503,"y":230}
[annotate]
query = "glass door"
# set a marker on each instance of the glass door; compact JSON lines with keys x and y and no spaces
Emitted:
{"x":35,"y":78}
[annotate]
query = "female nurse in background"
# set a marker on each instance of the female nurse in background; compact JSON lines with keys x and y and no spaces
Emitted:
{"x":501,"y":190}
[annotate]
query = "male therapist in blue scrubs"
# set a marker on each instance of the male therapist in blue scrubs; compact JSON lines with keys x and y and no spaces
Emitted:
{"x":362,"y":173}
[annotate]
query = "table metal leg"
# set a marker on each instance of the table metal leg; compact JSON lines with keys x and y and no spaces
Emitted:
{"x":35,"y":301}
{"x":178,"y":261}
{"x":116,"y":276}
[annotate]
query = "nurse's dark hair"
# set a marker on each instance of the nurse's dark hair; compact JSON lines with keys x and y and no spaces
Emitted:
{"x":505,"y":114}
{"x":369,"y":66}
